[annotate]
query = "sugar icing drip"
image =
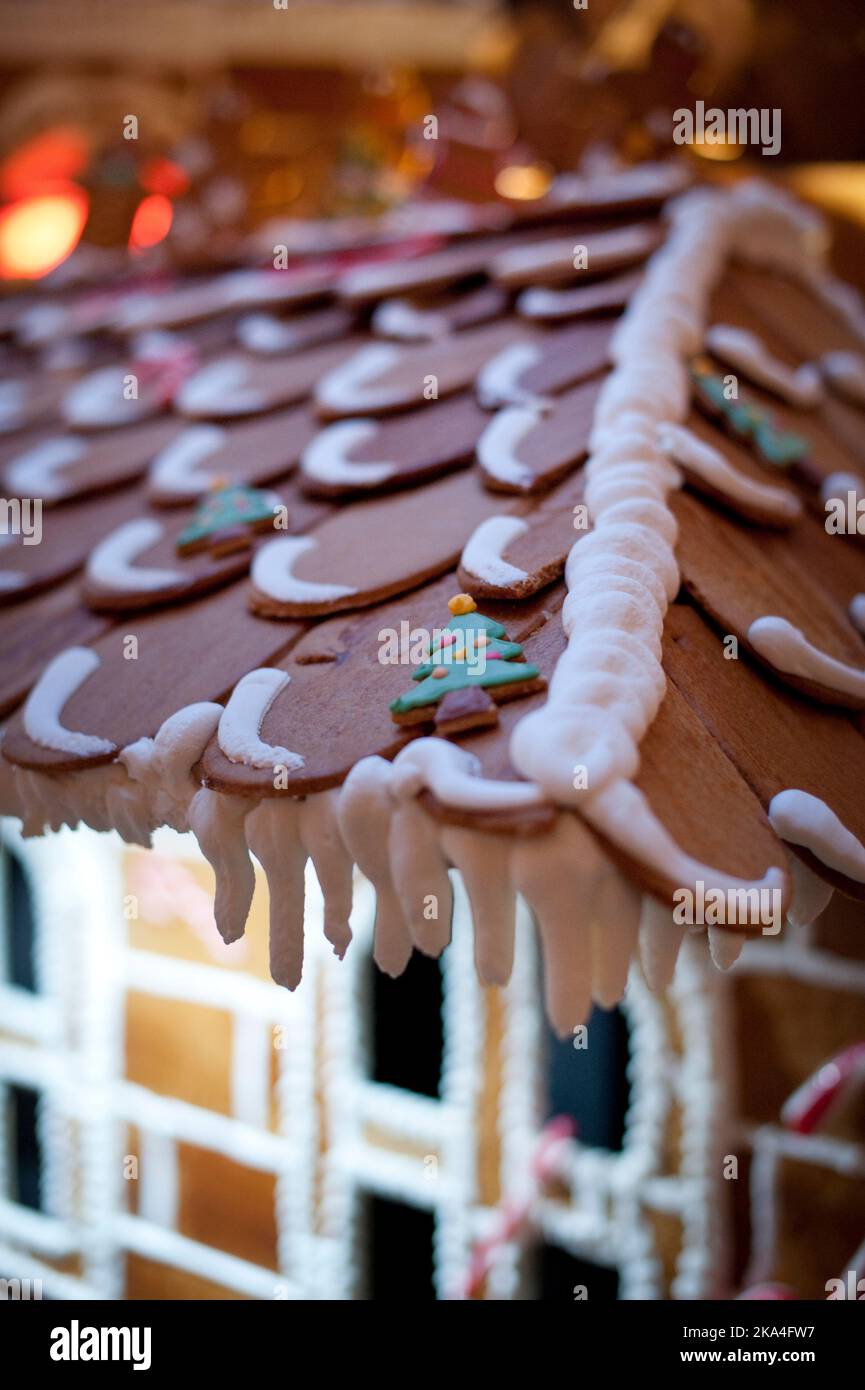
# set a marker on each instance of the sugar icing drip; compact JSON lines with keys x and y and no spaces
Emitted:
{"x":787,"y":648}
{"x":805,"y":820}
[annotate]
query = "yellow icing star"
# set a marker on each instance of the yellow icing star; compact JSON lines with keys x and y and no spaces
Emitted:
{"x":460,"y":604}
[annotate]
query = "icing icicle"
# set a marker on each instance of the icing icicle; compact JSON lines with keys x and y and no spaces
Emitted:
{"x":365,"y":810}
{"x":217,"y":822}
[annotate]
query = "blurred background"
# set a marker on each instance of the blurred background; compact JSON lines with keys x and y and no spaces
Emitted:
{"x":179,"y":130}
{"x":172,"y":1125}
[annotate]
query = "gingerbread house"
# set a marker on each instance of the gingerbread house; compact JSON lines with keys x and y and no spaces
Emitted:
{"x":481,"y":587}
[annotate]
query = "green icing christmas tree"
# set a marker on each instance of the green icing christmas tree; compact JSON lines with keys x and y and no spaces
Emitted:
{"x":227,"y":510}
{"x":779,"y":447}
{"x":471,"y":651}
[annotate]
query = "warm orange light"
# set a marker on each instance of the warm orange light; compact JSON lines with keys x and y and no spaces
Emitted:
{"x":58,"y":154}
{"x":523,"y":181}
{"x":37,"y":234}
{"x":165,"y":177}
{"x":151,"y":223}
{"x":721,"y":150}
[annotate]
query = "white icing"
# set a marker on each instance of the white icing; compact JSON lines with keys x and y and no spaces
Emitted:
{"x":217,"y":823}
{"x":45,"y":703}
{"x":622,"y":813}
{"x":650,"y":180}
{"x":149,"y":785}
{"x":749,"y":354}
{"x":364,"y":811}
{"x":399,"y":318}
{"x":99,"y":399}
{"x":38,"y":325}
{"x":803,"y":819}
{"x":13,"y":399}
{"x":557,"y":874}
{"x":811,"y":895}
{"x":38,"y":471}
{"x":712,"y":468}
{"x":176,"y":470}
{"x":241,"y":720}
{"x":265,"y":334}
{"x":327,"y":457}
{"x":845,"y":372}
{"x":252,"y":287}
{"x":350,"y":388}
{"x":273,"y":835}
{"x":498,"y":381}
{"x":590,"y":725}
{"x":615,"y":926}
{"x":272,"y":573}
{"x":111,"y":565}
{"x":453,"y":775}
{"x":787,"y":649}
{"x":159,"y":768}
{"x":857,"y":612}
{"x":725,"y":946}
{"x":321,"y":839}
{"x":497,"y":446}
{"x":840,"y":485}
{"x":10,"y":580}
{"x":541,"y":303}
{"x":484,"y":866}
{"x":482,"y":555}
{"x":222,"y":388}
{"x":660,"y":940}
{"x":137,"y":310}
{"x":420,"y":875}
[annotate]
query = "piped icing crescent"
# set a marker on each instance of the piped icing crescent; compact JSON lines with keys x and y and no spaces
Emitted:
{"x":272,"y":573}
{"x":112,"y":564}
{"x":44,"y":707}
{"x":239,"y":725}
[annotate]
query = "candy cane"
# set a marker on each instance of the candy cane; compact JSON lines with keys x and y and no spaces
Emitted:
{"x":166,"y":370}
{"x":515,"y":1213}
{"x":803,"y":1112}
{"x":808,"y":1106}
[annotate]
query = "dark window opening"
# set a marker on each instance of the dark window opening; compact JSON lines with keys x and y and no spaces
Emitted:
{"x":17,"y":899}
{"x":406,"y":1025}
{"x":590,"y":1084}
{"x":399,"y":1244}
{"x":561,"y":1275}
{"x":25,"y":1146}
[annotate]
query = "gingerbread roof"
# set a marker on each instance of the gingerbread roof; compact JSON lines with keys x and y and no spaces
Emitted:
{"x":532,"y":552}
